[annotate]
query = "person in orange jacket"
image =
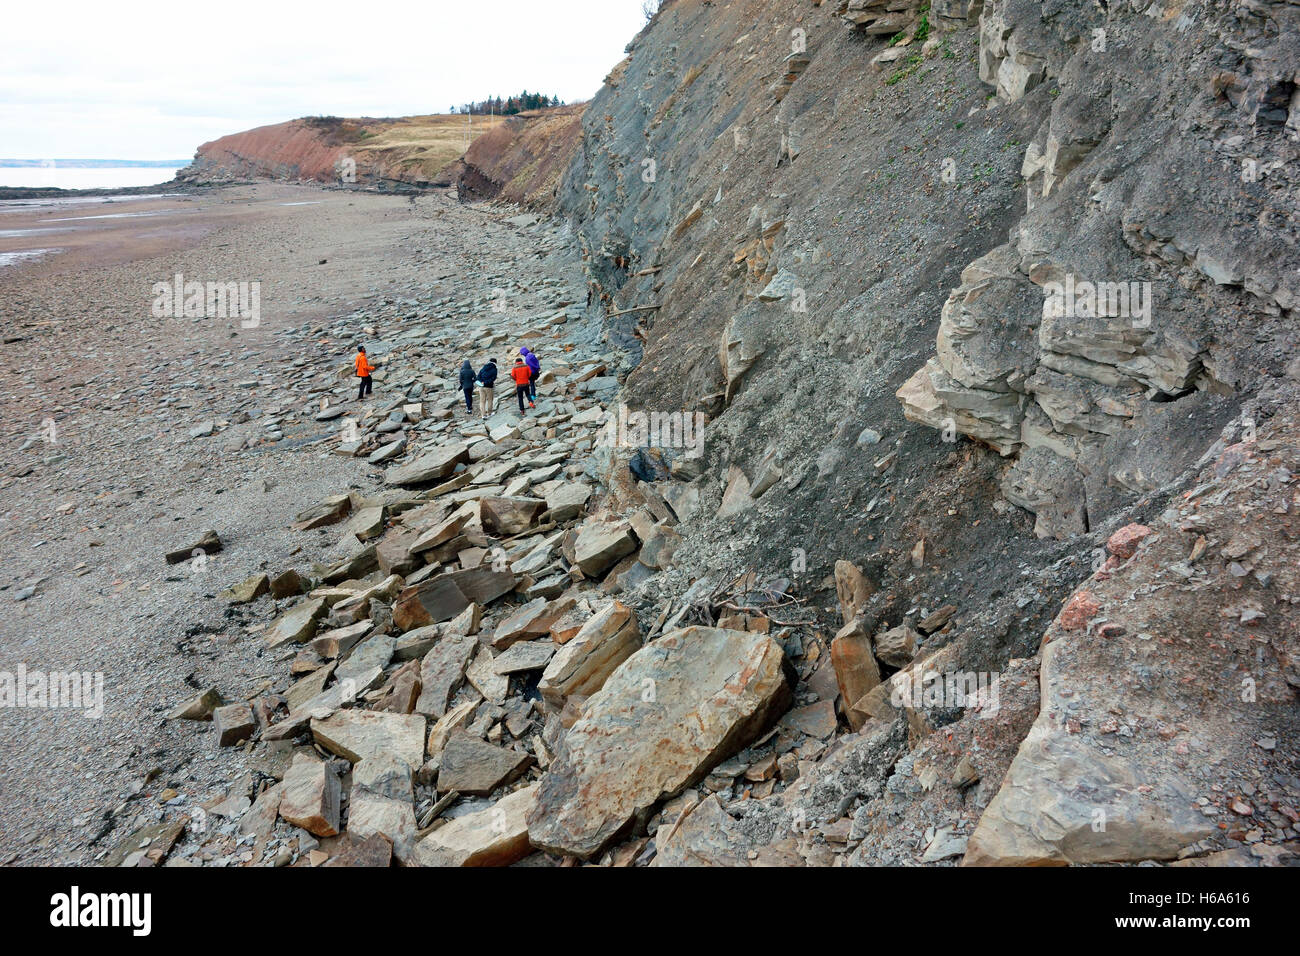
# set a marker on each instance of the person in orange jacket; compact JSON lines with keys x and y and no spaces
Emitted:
{"x":364,"y":368}
{"x":522,"y":376}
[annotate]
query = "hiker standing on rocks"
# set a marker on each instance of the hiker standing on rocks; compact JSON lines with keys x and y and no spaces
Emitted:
{"x":534,"y":369}
{"x":364,"y":368}
{"x":522,"y":375}
{"x":467,"y":385}
{"x":487,"y":379}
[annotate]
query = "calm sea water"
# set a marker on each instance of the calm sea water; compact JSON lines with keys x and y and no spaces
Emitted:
{"x":71,"y":177}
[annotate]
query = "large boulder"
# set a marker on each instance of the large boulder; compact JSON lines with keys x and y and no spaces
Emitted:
{"x":668,"y":715}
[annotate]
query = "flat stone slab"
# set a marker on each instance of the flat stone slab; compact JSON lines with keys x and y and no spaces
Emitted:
{"x":585,"y":662}
{"x":434,"y":466}
{"x":310,"y":794}
{"x":524,"y":656}
{"x":475,"y":767}
{"x":359,"y":734}
{"x":442,"y":671}
{"x":494,"y":836}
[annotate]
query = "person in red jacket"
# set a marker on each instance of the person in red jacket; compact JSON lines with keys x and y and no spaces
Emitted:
{"x":522,"y":376}
{"x":364,"y":368}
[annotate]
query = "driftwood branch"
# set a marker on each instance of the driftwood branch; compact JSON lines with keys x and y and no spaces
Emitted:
{"x":635,"y":308}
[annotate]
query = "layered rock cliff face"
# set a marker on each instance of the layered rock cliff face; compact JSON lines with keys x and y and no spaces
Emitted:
{"x":407,"y":152}
{"x":968,"y":293}
{"x":523,"y":159}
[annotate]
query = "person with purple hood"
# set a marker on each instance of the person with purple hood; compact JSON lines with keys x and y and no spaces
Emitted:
{"x":535,"y":367}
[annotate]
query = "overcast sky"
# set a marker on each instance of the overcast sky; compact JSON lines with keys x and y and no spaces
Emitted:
{"x":153,"y":80}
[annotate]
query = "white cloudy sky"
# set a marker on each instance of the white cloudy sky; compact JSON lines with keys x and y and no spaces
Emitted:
{"x":152,"y":80}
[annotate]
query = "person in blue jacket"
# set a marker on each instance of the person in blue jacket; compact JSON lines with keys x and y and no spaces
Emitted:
{"x":487,"y":380}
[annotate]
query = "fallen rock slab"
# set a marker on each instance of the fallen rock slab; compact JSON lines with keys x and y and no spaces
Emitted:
{"x":233,"y":724}
{"x":494,"y":836}
{"x":662,"y":720}
{"x":584,"y":663}
{"x":208,"y":542}
{"x":601,"y":544}
{"x":248,"y":590}
{"x":309,"y":796}
{"x":475,"y":767}
{"x":442,"y":671}
{"x":532,"y":620}
{"x":199,"y":707}
{"x":445,"y":596}
{"x":434,"y":466}
{"x":357,"y":735}
{"x":382,"y":802}
{"x":296,"y":625}
{"x":511,"y":516}
{"x":327,"y":512}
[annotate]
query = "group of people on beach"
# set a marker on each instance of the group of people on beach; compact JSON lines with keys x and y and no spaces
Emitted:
{"x":524,"y":374}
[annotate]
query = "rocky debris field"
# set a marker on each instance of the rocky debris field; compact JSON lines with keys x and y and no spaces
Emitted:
{"x":460,"y":653}
{"x":925,"y":563}
{"x":164,"y":428}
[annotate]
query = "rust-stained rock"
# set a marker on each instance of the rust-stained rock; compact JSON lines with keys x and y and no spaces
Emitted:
{"x":856,"y":670}
{"x":309,"y":796}
{"x":445,"y":596}
{"x":532,"y":620}
{"x":583,"y":664}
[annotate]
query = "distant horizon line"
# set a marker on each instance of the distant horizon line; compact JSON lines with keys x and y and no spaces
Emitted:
{"x":92,"y":163}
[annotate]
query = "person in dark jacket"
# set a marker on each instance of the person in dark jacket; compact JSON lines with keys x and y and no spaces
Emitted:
{"x":534,"y":369}
{"x":487,"y":380}
{"x":467,"y":385}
